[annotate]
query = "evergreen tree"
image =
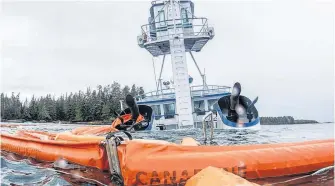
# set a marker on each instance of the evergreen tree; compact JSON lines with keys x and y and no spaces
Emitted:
{"x":133,"y":91}
{"x":25,"y":111}
{"x":33,"y":109}
{"x":60,"y":112}
{"x":71,"y":114}
{"x":116,"y":96}
{"x":50,"y":106}
{"x":105,"y":112}
{"x":43,"y":113}
{"x":2,"y":101}
{"x":125,"y":91}
{"x":78,"y":116}
{"x":141,"y":92}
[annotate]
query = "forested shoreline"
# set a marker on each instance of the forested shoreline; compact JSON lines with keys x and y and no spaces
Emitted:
{"x":93,"y":105}
{"x":283,"y":120}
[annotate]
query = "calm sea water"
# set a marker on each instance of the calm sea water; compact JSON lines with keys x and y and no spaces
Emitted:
{"x":17,"y":170}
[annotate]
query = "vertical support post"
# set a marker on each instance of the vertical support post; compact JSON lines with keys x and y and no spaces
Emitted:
{"x":161,"y":85}
{"x":153,"y":65}
{"x":162,"y":111}
{"x":121,"y":104}
{"x":204,"y":80}
{"x":204,"y":129}
{"x":206,"y":105}
{"x":160,"y":75}
{"x":202,"y":75}
{"x":173,"y":17}
{"x":212,"y":127}
{"x":204,"y":125}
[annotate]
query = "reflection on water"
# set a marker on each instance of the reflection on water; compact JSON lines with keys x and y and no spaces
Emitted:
{"x":16,"y":170}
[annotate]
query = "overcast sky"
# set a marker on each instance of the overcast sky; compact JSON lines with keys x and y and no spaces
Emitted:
{"x":280,"y":50}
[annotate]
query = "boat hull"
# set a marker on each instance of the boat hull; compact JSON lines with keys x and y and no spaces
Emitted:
{"x":255,"y":125}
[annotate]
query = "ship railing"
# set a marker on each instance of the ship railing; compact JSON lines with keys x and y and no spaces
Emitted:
{"x":208,"y":122}
{"x":213,"y":87}
{"x":195,"y":91}
{"x":160,"y":94}
{"x":158,"y":30}
{"x":209,"y":89}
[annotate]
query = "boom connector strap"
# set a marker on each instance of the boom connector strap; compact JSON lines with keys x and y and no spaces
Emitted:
{"x":118,"y":139}
{"x":112,"y":142}
{"x":117,"y":179}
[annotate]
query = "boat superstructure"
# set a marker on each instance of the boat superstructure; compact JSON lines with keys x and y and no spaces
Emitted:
{"x":173,"y":29}
{"x":164,"y":104}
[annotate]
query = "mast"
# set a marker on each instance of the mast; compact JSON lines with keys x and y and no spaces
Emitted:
{"x":173,"y":29}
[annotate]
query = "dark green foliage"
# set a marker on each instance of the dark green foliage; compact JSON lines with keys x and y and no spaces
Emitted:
{"x":92,"y":105}
{"x":133,"y":91}
{"x":283,"y":120}
{"x":141,"y":92}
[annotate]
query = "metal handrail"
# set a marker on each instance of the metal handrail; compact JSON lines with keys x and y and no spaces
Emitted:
{"x":203,"y":26}
{"x":210,"y":87}
{"x":194,"y":89}
{"x":154,"y":22}
{"x":171,"y":93}
{"x":204,"y":126}
{"x":147,"y":29}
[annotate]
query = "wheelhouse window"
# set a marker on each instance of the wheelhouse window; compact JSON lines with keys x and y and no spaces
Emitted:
{"x":211,"y":103}
{"x":161,"y":16}
{"x":169,"y":110}
{"x":157,"y":111}
{"x":184,"y":15}
{"x":199,"y":107}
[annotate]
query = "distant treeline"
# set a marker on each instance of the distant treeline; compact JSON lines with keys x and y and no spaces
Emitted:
{"x":93,"y":105}
{"x":283,"y":120}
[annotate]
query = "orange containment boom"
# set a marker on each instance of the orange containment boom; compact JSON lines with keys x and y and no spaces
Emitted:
{"x":156,"y":162}
{"x":159,"y":164}
{"x":88,"y":153}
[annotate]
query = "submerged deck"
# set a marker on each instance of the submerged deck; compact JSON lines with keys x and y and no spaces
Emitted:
{"x":163,"y":103}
